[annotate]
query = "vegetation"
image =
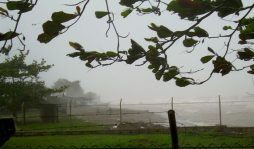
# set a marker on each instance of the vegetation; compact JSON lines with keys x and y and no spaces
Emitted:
{"x":125,"y":140}
{"x":19,"y":83}
{"x":33,"y":124}
{"x":233,"y":12}
{"x":74,"y":89}
{"x":190,"y":137}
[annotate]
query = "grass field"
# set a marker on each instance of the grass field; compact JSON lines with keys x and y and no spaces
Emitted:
{"x":76,"y":125}
{"x":33,"y":124}
{"x":125,"y":140}
{"x":102,"y":140}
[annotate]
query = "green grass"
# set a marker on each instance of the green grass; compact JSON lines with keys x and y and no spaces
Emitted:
{"x":33,"y":124}
{"x":190,"y":137}
{"x":124,"y":140}
{"x":76,"y":125}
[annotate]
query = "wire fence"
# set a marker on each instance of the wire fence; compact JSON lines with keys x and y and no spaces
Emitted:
{"x":152,"y":146}
{"x":77,"y":116}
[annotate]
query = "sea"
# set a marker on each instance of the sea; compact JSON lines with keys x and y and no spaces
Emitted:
{"x":232,"y":111}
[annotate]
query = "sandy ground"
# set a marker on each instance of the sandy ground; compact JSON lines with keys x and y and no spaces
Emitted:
{"x":107,"y":115}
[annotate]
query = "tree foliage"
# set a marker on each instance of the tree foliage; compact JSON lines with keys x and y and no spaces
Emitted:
{"x":156,"y":55}
{"x":19,"y":83}
{"x":73,"y":87}
{"x":93,"y":96}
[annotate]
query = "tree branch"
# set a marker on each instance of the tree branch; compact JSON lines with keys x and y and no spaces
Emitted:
{"x":228,"y":44}
{"x":83,"y":9}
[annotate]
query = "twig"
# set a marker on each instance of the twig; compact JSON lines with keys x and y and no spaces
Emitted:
{"x":75,"y":4}
{"x":83,"y":9}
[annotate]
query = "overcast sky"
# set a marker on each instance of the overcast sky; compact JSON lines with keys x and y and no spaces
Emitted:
{"x":129,"y":82}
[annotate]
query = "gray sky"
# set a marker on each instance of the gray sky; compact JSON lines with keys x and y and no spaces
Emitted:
{"x":133,"y":84}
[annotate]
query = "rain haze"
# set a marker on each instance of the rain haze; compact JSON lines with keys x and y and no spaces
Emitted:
{"x":132,"y":83}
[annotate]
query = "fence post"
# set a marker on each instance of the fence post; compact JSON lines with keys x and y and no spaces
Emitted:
{"x":220,"y":110}
{"x":23,"y":114}
{"x":172,"y":103}
{"x":70,"y":117}
{"x":121,"y":111}
{"x":173,"y":129}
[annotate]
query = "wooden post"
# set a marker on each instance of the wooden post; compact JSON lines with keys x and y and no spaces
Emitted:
{"x":173,"y":129}
{"x":220,"y":110}
{"x":70,"y":117}
{"x":121,"y":111}
{"x":56,"y":113}
{"x":172,"y":103}
{"x":23,"y":114}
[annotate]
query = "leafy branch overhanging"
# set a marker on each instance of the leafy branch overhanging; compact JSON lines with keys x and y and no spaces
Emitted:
{"x":156,"y":55}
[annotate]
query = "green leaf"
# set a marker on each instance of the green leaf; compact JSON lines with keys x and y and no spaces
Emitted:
{"x":164,"y":32}
{"x":179,"y":33}
{"x":84,"y":56}
{"x":52,"y":28}
{"x":61,"y":17}
{"x":242,"y":42}
{"x":227,"y":27}
{"x":190,"y":12}
{"x":147,"y":10}
{"x":230,"y":7}
{"x":152,"y":55}
{"x":128,"y":3}
{"x":136,"y":48}
{"x":159,"y":74}
{"x":45,"y":38}
{"x":246,"y":36}
{"x":211,"y":50}
{"x":75,"y":54}
{"x":246,"y":54}
{"x":100,"y":14}
{"x":19,"y":5}
{"x":126,"y":13}
{"x":152,"y":39}
{"x":153,"y":27}
{"x":150,"y":67}
{"x":206,"y":59}
{"x":173,"y":71}
{"x":252,"y":67}
{"x":8,"y":35}
{"x":182,"y":82}
{"x":200,"y":32}
{"x":102,"y":56}
{"x":133,"y":58}
{"x":76,"y":46}
{"x":222,"y":66}
{"x":226,"y":69}
{"x":156,"y":67}
{"x":189,"y":42}
{"x":152,"y":48}
{"x":191,"y":34}
{"x":158,"y":46}
{"x":15,"y":5}
{"x":89,"y":65}
{"x":251,"y":71}
{"x":111,"y":54}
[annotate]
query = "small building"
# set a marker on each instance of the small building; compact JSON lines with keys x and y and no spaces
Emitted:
{"x":49,"y":113}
